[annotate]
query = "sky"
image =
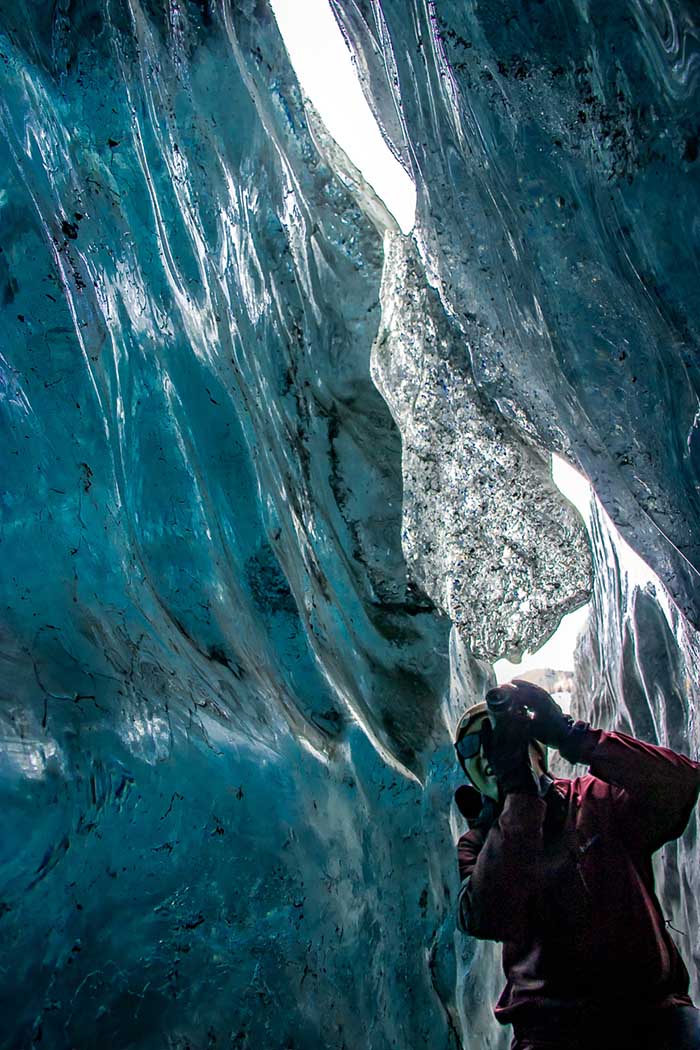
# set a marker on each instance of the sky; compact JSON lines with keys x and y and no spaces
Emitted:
{"x":326,"y":73}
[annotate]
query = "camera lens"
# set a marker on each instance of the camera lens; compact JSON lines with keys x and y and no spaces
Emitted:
{"x":498,"y":701}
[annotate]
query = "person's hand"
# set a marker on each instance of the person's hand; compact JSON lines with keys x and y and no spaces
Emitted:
{"x":479,"y":810}
{"x":468,"y":801}
{"x":506,"y":747}
{"x":548,"y":723}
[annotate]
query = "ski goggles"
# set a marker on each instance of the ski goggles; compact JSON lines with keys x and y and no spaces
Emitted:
{"x":469,"y":745}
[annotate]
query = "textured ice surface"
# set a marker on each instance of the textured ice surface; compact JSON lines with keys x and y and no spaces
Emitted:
{"x":225,"y":770}
{"x":485,"y":531}
{"x":555,"y":151}
{"x":637,"y":671}
{"x":215,"y":674}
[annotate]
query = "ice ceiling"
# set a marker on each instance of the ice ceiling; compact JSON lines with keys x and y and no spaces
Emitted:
{"x":261,"y":452}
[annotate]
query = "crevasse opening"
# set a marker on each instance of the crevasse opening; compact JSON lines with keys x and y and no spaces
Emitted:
{"x":557,"y":653}
{"x":327,"y":75}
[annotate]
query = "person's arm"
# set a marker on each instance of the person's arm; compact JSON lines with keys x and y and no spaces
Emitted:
{"x":500,"y":872}
{"x":659,"y":787}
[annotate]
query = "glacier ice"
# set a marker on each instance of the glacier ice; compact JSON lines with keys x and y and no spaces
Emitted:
{"x":555,"y":154}
{"x":485,"y":531}
{"x":208,"y":632}
{"x":227,"y":658}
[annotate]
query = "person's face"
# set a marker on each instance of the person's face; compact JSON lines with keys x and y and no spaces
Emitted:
{"x":476,"y":764}
{"x":479,"y":771}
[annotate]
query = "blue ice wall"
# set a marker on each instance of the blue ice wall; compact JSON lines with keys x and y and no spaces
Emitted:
{"x":637,"y":671}
{"x":226,"y":666}
{"x":190,"y":302}
{"x":218,"y":683}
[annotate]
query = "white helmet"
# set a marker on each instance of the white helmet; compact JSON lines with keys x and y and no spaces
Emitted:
{"x":470,"y":755}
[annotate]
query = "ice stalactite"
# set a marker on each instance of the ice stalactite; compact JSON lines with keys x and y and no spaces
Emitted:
{"x":485,"y":531}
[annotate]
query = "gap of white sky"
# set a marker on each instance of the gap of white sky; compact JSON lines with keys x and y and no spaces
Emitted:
{"x":324,"y":68}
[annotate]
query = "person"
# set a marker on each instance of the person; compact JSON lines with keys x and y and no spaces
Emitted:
{"x":560,"y":871}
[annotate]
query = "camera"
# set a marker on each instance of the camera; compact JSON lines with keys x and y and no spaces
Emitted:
{"x":501,"y":703}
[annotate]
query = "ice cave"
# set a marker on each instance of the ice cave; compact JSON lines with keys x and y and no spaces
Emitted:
{"x":277,"y":492}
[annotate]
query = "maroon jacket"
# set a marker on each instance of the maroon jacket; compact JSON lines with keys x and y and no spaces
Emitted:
{"x":567,"y":883}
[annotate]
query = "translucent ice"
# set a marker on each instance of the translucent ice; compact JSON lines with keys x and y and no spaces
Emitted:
{"x":227,"y":662}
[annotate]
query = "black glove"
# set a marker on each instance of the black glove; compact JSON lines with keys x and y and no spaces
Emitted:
{"x":548,"y":723}
{"x":479,"y":810}
{"x":468,"y":801}
{"x":506,"y":749}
